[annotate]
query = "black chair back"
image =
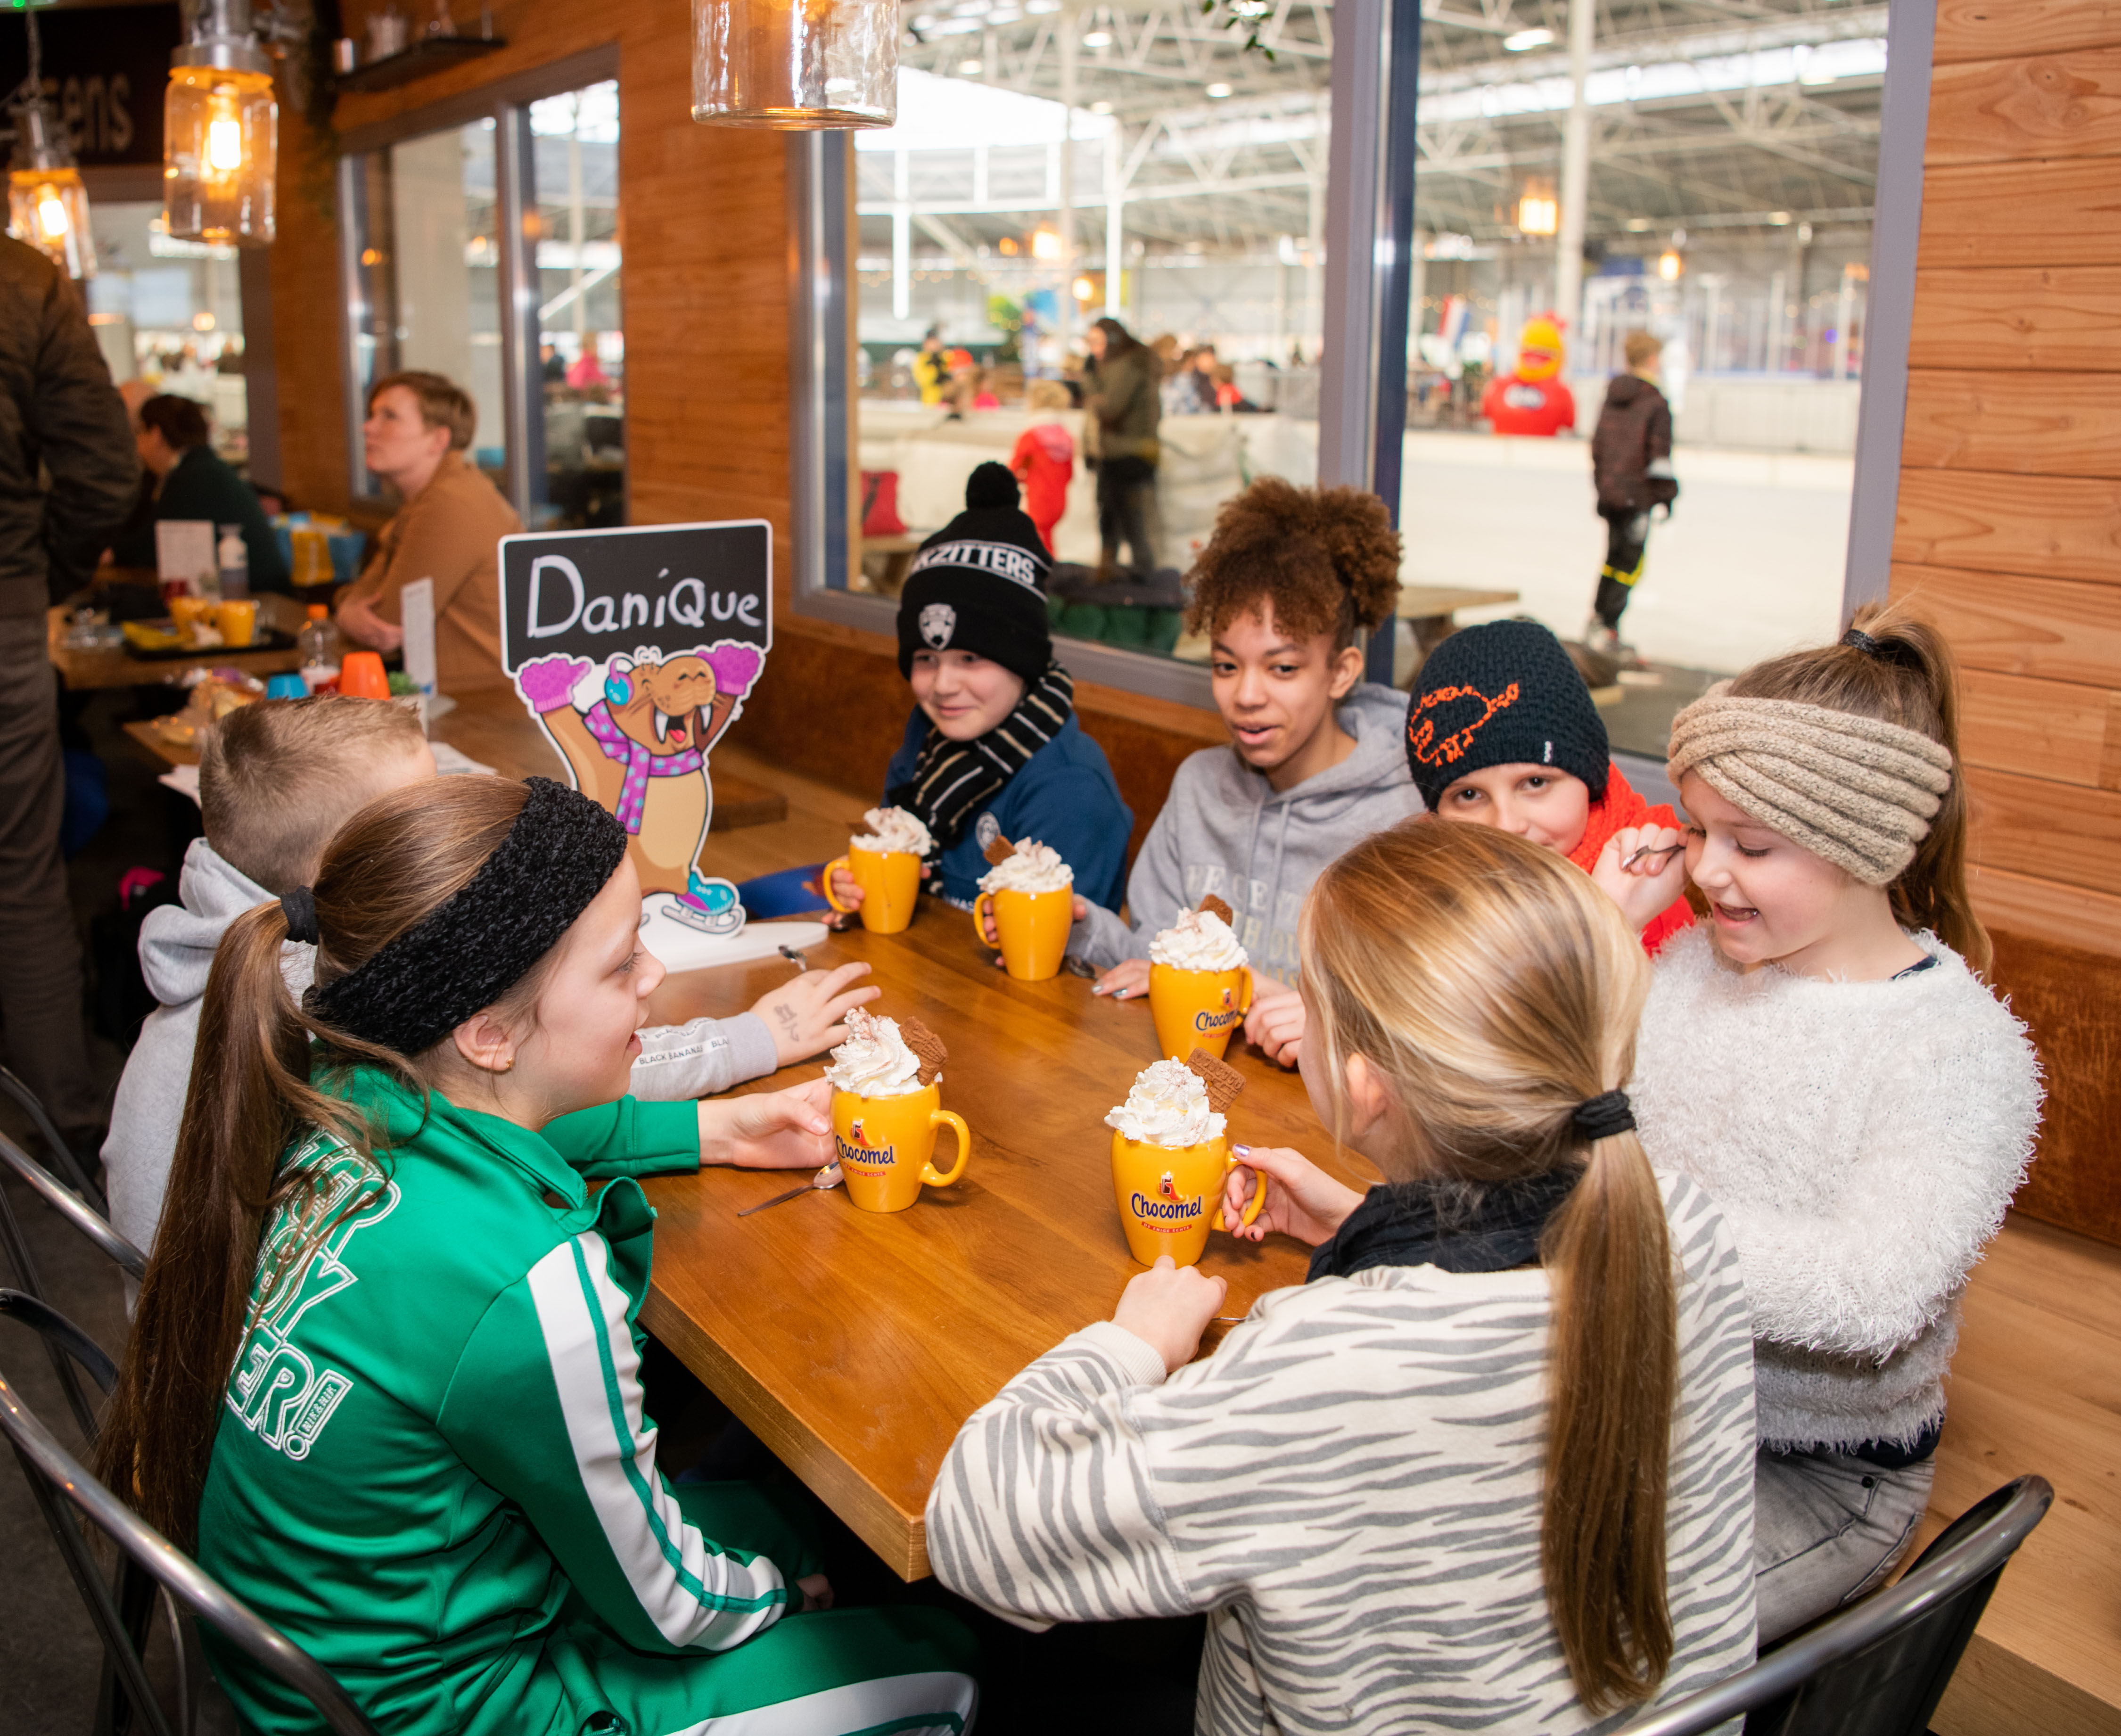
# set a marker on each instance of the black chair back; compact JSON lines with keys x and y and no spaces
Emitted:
{"x":85,"y":1218}
{"x":56,"y":1479}
{"x":1877,"y":1668}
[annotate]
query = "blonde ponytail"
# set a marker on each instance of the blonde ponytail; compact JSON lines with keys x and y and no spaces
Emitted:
{"x":1614,"y":1378}
{"x":1497,"y":991}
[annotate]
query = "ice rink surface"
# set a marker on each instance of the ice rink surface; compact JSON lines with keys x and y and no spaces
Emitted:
{"x":1749,"y":565}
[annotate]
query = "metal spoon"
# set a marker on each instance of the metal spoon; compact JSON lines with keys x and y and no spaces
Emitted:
{"x":827,"y":1178}
{"x":1651,"y":850}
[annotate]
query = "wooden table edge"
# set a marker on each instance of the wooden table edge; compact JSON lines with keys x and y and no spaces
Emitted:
{"x":899,"y":1539}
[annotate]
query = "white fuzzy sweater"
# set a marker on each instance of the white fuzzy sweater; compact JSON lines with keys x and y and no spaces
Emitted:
{"x":1863,"y":1140}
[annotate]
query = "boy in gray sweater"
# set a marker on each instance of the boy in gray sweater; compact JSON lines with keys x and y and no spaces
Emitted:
{"x":277,"y":779}
{"x":1290,"y":587}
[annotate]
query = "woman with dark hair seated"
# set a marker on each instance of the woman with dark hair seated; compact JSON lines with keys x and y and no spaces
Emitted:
{"x":191,"y":482}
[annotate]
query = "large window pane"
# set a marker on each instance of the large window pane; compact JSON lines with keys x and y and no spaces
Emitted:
{"x":427,"y":279}
{"x":1727,"y":213}
{"x":581,"y":334}
{"x":170,"y":313}
{"x":1187,"y":201}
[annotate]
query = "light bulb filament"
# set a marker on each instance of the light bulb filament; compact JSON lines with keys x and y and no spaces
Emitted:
{"x":224,"y":145}
{"x":52,"y":211}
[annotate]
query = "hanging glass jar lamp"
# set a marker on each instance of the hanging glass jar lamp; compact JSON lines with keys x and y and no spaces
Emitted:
{"x":220,"y":132}
{"x":47,"y":205}
{"x":797,"y":65}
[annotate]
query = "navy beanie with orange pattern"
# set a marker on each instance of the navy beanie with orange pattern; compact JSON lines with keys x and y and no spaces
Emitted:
{"x":1503,"y":694}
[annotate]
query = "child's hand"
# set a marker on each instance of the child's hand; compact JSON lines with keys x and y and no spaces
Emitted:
{"x":1126,"y":981}
{"x":805,"y":1013}
{"x":847,"y":889}
{"x":1646,"y":890}
{"x":773,"y":1130}
{"x":816,"y":1592}
{"x":1168,"y":1307}
{"x":1275,"y":1026}
{"x":1302,"y":1200}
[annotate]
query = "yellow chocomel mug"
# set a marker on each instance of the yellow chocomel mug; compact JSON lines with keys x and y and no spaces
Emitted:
{"x":884,"y":1144}
{"x":1197,"y":1009}
{"x":890,"y":880}
{"x":1169,"y":1196}
{"x":1033,"y":926}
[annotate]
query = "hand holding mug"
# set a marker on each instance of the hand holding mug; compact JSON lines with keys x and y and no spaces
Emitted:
{"x":1168,"y":1307}
{"x":842,"y":890}
{"x":1275,"y":1025}
{"x":1080,"y":911}
{"x":770,"y":1130}
{"x":1301,"y":1201}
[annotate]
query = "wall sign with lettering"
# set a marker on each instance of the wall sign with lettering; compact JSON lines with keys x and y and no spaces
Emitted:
{"x":106,"y":66}
{"x":634,"y":650}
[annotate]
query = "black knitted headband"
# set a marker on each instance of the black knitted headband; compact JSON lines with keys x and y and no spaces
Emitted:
{"x":417,"y":988}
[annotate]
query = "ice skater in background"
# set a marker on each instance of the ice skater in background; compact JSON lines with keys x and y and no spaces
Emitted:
{"x":1044,"y":459}
{"x":1631,"y":463}
{"x":635,"y":735}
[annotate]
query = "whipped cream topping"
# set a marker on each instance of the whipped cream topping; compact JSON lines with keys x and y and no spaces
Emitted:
{"x":1035,"y":867}
{"x":1200,"y":940}
{"x":894,"y":828}
{"x":1168,"y":1106}
{"x":874,"y":1060}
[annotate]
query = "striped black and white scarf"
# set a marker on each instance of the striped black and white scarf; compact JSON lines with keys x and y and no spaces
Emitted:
{"x":953,"y":780}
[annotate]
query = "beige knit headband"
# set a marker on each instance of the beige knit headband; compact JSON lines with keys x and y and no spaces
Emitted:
{"x":1856,"y":791}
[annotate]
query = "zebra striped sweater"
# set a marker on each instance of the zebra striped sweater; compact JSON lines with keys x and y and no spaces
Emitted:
{"x":1351,"y":1488}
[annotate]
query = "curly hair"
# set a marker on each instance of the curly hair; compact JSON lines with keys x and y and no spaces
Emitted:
{"x":1319,"y":560}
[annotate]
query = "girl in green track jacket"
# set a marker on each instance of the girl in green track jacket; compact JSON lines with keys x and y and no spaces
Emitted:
{"x":385,"y":1375}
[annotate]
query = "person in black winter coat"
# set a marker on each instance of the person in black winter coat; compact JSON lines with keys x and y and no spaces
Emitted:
{"x":60,"y":417}
{"x":1631,"y":464}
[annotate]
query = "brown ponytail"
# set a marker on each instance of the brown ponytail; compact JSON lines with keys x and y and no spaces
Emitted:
{"x":1495,"y":989}
{"x":1907,"y":676}
{"x":251,"y":1095}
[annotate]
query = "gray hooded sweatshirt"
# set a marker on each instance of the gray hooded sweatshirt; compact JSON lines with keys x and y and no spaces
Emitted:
{"x":1224,"y":830}
{"x":177,"y":945}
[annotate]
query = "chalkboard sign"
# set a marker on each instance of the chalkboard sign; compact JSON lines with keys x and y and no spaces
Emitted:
{"x":634,"y":650}
{"x":107,"y":68}
{"x":592,"y":593}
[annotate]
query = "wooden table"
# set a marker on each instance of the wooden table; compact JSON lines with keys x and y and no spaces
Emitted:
{"x":494,"y":729}
{"x":853,"y":1344}
{"x":84,"y":669}
{"x":1431,"y":610}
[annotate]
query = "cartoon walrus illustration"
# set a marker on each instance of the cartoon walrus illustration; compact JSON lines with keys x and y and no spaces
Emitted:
{"x":636,"y":743}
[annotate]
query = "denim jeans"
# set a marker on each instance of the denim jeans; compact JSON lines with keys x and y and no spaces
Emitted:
{"x":1827,"y":1528}
{"x":1124,"y":489}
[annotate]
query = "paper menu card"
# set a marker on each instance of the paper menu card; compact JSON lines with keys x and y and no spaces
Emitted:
{"x":184,"y":549}
{"x":415,"y":615}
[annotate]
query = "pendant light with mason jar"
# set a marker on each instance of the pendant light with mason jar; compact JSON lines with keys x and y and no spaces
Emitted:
{"x":47,"y":204}
{"x":219,"y":131}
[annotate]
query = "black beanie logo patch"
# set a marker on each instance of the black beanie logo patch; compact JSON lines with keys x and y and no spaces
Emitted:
{"x":937,"y":622}
{"x":1433,"y":749}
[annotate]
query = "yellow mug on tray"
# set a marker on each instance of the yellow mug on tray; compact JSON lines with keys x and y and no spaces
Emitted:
{"x":1169,"y":1196}
{"x":890,"y":880}
{"x":1033,"y":926}
{"x":1197,"y":1009}
{"x":883,"y":1145}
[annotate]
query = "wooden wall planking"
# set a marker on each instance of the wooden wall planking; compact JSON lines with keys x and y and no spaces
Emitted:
{"x":2058,"y":318}
{"x":2009,"y":528}
{"x":2067,"y":105}
{"x":2039,"y":424}
{"x":2058,"y":629}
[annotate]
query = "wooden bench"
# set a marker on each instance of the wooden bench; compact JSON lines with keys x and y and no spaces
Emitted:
{"x":1432,"y":610}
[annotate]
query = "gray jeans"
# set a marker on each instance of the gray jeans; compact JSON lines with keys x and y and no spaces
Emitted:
{"x":39,"y":950}
{"x":1827,"y":1528}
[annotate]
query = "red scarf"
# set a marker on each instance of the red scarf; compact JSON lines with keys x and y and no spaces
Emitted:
{"x":1619,"y":808}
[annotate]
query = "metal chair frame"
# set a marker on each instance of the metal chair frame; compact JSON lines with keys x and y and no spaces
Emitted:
{"x":1951,"y":1583}
{"x":75,"y":1210}
{"x":33,"y":1106}
{"x":54,"y":1473}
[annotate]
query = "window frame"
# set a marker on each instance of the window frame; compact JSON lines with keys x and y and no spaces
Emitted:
{"x":506,"y":102}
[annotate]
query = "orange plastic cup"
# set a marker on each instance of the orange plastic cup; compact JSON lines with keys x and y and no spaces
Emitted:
{"x":360,"y":676}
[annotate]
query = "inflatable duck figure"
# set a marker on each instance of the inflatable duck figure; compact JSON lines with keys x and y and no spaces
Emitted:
{"x":1532,"y":399}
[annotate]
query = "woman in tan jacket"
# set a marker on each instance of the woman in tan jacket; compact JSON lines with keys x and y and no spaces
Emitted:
{"x":419,"y":426}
